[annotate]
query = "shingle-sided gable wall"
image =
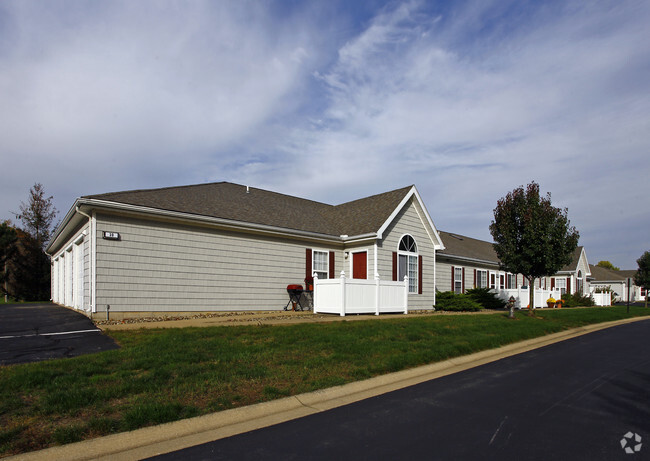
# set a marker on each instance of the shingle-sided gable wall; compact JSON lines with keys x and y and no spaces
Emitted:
{"x":167,"y":267}
{"x":411,"y":221}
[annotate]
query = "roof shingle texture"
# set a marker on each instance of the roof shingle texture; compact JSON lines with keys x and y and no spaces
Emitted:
{"x":251,"y":205}
{"x":467,"y":247}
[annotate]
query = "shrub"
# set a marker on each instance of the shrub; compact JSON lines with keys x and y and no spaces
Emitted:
{"x":450,"y":301}
{"x":486,"y":298}
{"x":575,"y":300}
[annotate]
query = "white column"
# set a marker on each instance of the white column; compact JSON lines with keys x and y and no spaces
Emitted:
{"x":406,"y":294}
{"x":314,"y":294}
{"x":377,"y":301}
{"x":342,"y":293}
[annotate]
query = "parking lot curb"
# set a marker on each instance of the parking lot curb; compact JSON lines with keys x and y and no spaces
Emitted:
{"x":165,"y":438}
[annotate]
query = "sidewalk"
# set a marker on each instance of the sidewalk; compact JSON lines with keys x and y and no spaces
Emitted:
{"x":151,"y":441}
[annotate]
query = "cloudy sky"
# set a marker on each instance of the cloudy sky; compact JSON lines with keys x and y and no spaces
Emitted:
{"x":337,"y":100}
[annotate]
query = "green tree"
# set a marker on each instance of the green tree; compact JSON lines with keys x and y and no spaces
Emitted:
{"x":642,"y":276}
{"x":608,"y":265}
{"x":532,"y":237}
{"x":7,"y":249}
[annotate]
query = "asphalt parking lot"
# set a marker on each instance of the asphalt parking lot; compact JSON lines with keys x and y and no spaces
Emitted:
{"x":36,"y":332}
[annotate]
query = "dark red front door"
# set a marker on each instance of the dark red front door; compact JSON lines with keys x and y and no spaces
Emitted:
{"x":360,"y":265}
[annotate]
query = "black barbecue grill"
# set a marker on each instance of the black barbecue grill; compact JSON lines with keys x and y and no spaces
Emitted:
{"x":295,"y":292}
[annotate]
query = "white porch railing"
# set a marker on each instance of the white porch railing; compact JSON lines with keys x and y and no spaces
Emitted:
{"x":356,"y":296}
{"x":602,"y":299}
{"x":522,"y":299}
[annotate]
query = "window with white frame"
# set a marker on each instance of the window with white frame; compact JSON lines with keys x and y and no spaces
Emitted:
{"x":512,"y":281}
{"x":408,"y":262}
{"x":560,"y":284}
{"x":481,"y":279}
{"x":458,"y":279}
{"x":320,"y":263}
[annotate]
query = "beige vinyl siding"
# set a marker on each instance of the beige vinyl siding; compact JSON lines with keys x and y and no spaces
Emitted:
{"x":160,"y":266}
{"x":409,"y":221}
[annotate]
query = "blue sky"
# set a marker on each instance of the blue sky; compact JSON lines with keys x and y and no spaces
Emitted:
{"x":334,"y":101}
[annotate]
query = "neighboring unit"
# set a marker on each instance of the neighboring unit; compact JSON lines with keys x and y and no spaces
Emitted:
{"x":616,"y":282}
{"x":227,"y":247}
{"x":467,"y":263}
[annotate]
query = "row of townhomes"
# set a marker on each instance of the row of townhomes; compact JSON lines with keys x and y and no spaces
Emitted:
{"x":226,"y":247}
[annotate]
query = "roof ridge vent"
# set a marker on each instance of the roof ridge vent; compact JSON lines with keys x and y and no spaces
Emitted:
{"x":456,"y":236}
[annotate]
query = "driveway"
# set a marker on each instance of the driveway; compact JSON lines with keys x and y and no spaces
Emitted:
{"x":35,"y":332}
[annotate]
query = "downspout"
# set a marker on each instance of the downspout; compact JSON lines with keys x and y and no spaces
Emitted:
{"x":375,"y":259}
{"x":93,"y":261}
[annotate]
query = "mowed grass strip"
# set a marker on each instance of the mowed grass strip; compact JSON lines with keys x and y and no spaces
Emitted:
{"x":162,"y":375}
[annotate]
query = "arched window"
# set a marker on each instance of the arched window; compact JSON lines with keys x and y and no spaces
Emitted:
{"x":407,"y":254}
{"x":580,"y":284}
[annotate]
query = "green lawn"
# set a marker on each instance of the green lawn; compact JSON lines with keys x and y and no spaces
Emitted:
{"x":163,"y":375}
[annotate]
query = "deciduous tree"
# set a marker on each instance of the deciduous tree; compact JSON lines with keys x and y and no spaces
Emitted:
{"x":30,"y":265}
{"x":608,"y":265}
{"x":37,"y":215}
{"x":642,"y":276}
{"x":532,"y":237}
{"x":7,"y":249}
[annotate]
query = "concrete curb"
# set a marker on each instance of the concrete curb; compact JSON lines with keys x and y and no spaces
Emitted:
{"x":151,"y":441}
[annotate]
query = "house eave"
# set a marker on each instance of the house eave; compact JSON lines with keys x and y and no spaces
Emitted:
{"x":224,"y":223}
{"x":468,"y":259}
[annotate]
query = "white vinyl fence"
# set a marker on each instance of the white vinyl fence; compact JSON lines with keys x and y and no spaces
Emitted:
{"x":521,"y":296}
{"x":356,"y":296}
{"x":602,"y":299}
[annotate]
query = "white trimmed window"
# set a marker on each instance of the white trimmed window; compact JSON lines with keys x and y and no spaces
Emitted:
{"x":511,"y":281}
{"x":407,"y":254}
{"x":320,"y":263}
{"x":458,"y":280}
{"x":481,"y":278}
{"x":560,"y":284}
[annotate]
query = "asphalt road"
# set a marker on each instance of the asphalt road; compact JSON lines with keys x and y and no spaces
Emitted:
{"x":35,"y":332}
{"x":574,"y":400}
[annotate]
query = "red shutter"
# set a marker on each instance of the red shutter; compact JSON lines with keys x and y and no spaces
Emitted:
{"x":474,"y":278}
{"x":453,"y":285}
{"x":553,"y":284}
{"x":308,"y":273}
{"x":394,"y":266}
{"x":463,"y":280}
{"x":568,"y":285}
{"x":419,"y":275}
{"x":332,"y":270}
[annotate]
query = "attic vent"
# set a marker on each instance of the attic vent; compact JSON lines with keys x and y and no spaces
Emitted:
{"x":456,"y":236}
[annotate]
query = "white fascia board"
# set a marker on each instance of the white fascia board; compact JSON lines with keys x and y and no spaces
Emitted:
{"x":221,"y":222}
{"x":58,"y":232}
{"x":436,"y":240}
{"x":360,"y":238}
{"x":467,"y":259}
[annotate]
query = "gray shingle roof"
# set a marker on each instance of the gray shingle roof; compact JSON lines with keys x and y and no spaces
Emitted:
{"x":606,"y":275}
{"x":251,"y":205}
{"x":467,"y":247}
{"x":575,"y":259}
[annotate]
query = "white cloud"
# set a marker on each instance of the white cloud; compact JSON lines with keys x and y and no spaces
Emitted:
{"x":466,"y":100}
